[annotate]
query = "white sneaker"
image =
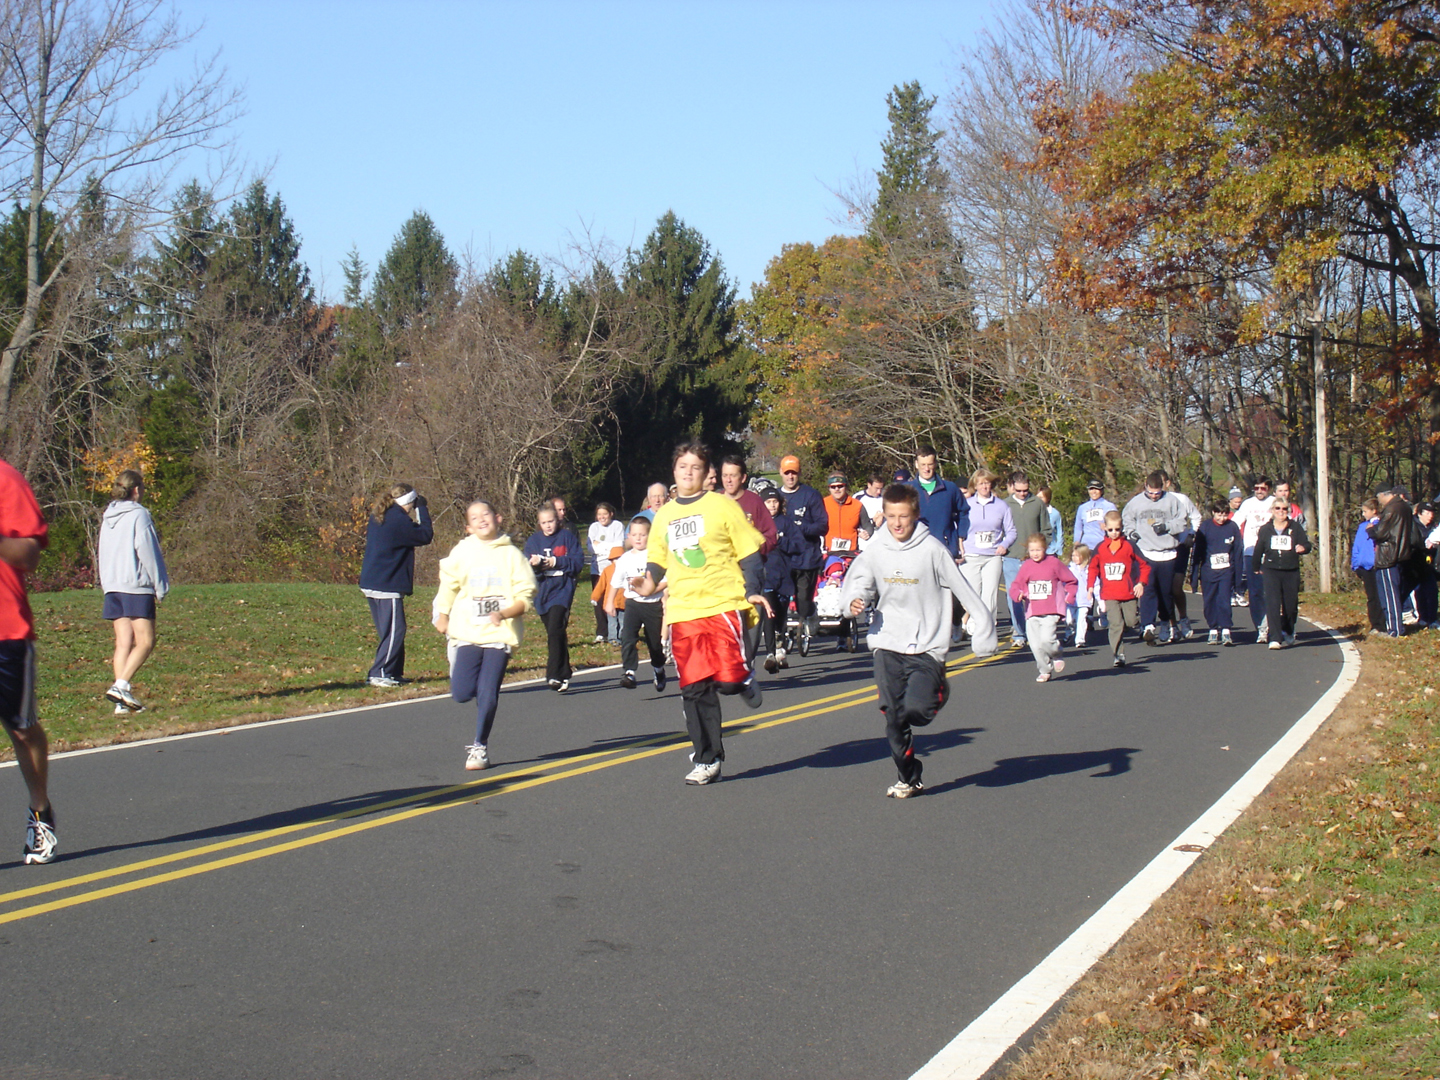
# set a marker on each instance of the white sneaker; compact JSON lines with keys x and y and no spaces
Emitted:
{"x":703,"y":774}
{"x":384,"y":682}
{"x":121,"y":710}
{"x":1225,"y":638}
{"x":901,"y":790}
{"x":1059,"y":666}
{"x":476,"y":757}
{"x":1119,"y":660}
{"x":1042,"y":677}
{"x":1264,"y":627}
{"x":123,"y":696}
{"x":1149,"y":635}
{"x":1214,"y":638}
{"x":1275,"y":645}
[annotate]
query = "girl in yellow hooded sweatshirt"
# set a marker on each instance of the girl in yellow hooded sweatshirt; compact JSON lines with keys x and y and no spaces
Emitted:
{"x":486,"y":586}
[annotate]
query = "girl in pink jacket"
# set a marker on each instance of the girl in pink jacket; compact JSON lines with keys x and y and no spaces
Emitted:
{"x":1046,"y":587}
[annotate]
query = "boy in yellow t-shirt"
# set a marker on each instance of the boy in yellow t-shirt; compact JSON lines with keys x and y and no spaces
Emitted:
{"x":709,"y":557}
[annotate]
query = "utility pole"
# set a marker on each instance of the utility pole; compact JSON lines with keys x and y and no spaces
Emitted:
{"x":1322,"y":439}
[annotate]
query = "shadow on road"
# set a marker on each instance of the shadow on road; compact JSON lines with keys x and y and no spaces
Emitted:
{"x":863,"y":752}
{"x":1021,"y":770}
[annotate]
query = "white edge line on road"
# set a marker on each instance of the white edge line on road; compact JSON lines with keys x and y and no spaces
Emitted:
{"x":973,"y":1052}
{"x":160,"y":739}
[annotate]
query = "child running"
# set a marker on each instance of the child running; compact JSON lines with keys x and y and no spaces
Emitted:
{"x":1121,"y":575}
{"x":485,"y":624}
{"x":1219,"y":557}
{"x":554,"y":552}
{"x":639,"y":612}
{"x":1046,"y":588}
{"x":1078,"y":613}
{"x":904,"y":571}
{"x":709,"y":555}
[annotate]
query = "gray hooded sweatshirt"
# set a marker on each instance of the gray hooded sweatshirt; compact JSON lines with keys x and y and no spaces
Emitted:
{"x":130,"y":559}
{"x":908,"y":581}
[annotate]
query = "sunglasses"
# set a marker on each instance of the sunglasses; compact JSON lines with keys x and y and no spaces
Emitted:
{"x":1116,"y":531}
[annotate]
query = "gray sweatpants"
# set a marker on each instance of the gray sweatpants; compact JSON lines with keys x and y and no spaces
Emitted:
{"x":1044,"y":642}
{"x":1120,"y":614}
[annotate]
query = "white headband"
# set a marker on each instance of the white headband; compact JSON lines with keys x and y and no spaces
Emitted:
{"x":407,"y":499}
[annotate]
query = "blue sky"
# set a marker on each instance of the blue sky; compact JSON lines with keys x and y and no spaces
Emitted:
{"x":536,"y":125}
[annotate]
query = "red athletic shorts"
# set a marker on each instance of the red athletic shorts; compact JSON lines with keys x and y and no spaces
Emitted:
{"x":710,"y":648}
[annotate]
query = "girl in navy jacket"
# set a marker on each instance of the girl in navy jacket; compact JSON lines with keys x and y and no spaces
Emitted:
{"x":555,"y":556}
{"x":399,"y":523}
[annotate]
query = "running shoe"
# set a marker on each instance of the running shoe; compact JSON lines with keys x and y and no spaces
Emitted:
{"x":1059,"y":666}
{"x":701,"y":775}
{"x":599,"y":639}
{"x":1287,"y":639}
{"x":1214,"y":638}
{"x":553,"y":684}
{"x":628,"y":680}
{"x":1264,"y":630}
{"x":476,"y":757}
{"x":1275,"y":645}
{"x":1017,"y":642}
{"x":121,"y":710}
{"x":1119,"y":660}
{"x":750,"y":693}
{"x":1186,"y":631}
{"x":659,"y":679}
{"x":1226,"y":639}
{"x":122,"y":696}
{"x":780,"y":658}
{"x":1042,"y":677}
{"x":1149,"y":636}
{"x":901,"y":790}
{"x":40,"y":839}
{"x":383,"y":682}
{"x":772,"y":665}
{"x":563,"y":685}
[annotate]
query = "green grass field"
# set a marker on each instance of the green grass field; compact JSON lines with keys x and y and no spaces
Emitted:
{"x":235,"y":654}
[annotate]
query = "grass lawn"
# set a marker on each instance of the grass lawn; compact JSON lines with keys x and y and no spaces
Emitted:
{"x":234,"y":654}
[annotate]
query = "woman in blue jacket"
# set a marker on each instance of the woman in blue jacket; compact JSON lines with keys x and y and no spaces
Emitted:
{"x":554,"y":554}
{"x":399,"y":523}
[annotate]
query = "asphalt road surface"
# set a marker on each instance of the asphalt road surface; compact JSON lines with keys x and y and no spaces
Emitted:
{"x":337,"y":897}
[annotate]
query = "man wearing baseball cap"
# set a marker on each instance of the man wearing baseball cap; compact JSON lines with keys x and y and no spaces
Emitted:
{"x":848,"y":522}
{"x":805,"y":510}
{"x":1090,"y":518}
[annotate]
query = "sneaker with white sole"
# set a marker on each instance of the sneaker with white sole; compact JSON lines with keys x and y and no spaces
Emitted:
{"x":659,"y":679}
{"x":1149,"y":635}
{"x":121,"y":710}
{"x":901,"y":790}
{"x":1119,"y":660}
{"x":1059,"y":666}
{"x":628,"y":680}
{"x":477,"y":757}
{"x":1225,"y":638}
{"x":383,"y":682}
{"x":40,"y":840}
{"x":1186,"y":631}
{"x":1214,"y":638}
{"x":701,"y":775}
{"x":1044,"y":676}
{"x":772,"y":665}
{"x":122,"y":696}
{"x":1287,"y":639}
{"x":563,"y":685}
{"x":1276,"y":645}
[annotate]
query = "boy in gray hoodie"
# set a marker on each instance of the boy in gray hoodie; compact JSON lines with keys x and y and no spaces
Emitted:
{"x":906,"y":573}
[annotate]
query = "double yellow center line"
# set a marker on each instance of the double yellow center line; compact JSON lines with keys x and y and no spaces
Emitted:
{"x":333,"y":826}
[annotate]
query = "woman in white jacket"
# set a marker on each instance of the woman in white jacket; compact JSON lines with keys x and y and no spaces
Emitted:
{"x":133,"y":578}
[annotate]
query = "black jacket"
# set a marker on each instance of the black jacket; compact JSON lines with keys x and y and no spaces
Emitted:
{"x":1280,"y":549}
{"x":1394,"y":533}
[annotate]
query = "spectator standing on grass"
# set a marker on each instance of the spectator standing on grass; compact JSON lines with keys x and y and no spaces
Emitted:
{"x":1278,"y":547}
{"x":554,"y":554}
{"x":1393,"y":533}
{"x":486,"y":586}
{"x":134,"y":581}
{"x":23,"y":535}
{"x":655,"y":497}
{"x":399,"y":523}
{"x":1422,"y":567}
{"x":1362,"y":561}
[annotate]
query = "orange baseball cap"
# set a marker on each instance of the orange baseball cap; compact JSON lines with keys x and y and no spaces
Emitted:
{"x":789,"y":463}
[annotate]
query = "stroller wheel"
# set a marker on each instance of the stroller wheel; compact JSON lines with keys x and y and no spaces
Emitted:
{"x":804,"y":644}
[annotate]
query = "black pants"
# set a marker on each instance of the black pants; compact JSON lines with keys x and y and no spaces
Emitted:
{"x":701,"y":702}
{"x":1282,"y":602}
{"x":1373,"y":608}
{"x":389,"y":617}
{"x":1257,"y":590}
{"x":775,"y":627}
{"x":1426,"y":595}
{"x":912,"y":690}
{"x":557,"y":623}
{"x":639,"y":616}
{"x":804,"y":582}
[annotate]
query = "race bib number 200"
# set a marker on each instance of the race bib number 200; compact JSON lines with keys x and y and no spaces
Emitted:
{"x":685,"y":532}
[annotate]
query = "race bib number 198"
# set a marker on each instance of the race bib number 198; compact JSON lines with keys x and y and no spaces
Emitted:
{"x":485,"y":606}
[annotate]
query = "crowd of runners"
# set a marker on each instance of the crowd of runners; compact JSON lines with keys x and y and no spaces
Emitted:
{"x":716,"y":572}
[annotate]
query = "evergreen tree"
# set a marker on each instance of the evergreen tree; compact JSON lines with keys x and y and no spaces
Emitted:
{"x":913,"y":186}
{"x":257,"y":260}
{"x":693,"y":378}
{"x":355,"y":270}
{"x":417,"y":276}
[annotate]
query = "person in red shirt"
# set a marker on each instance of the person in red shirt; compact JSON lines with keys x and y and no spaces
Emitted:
{"x":1121,"y":576}
{"x":23,"y":535}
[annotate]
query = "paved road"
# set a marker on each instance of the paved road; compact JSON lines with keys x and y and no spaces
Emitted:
{"x":338,"y":898}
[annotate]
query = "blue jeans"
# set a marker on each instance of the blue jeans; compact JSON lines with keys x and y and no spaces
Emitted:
{"x":1017,"y":611}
